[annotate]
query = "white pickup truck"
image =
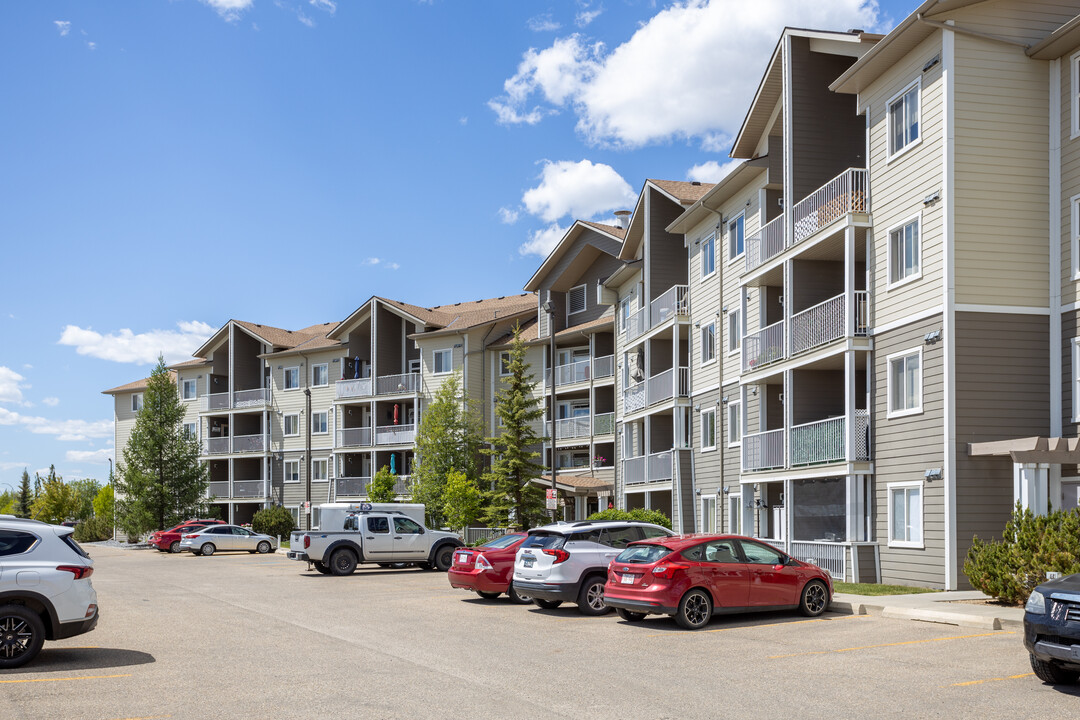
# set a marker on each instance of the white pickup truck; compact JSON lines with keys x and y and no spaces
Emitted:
{"x":382,"y":533}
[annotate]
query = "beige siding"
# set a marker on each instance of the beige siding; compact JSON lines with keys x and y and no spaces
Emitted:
{"x":1027,"y":21}
{"x":1070,"y":182}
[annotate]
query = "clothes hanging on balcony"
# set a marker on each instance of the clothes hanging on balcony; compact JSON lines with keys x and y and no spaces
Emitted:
{"x":356,"y":367}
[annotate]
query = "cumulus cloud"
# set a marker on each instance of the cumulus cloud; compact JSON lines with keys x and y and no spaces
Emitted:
{"x":126,"y":346}
{"x":585,"y":17}
{"x":328,"y":5}
{"x":96,"y":457}
{"x":229,"y":10}
{"x":543,"y":23}
{"x":508,"y":216}
{"x":12,"y":465}
{"x":712,"y":171}
{"x":579,"y":189}
{"x":11,"y":386}
{"x":373,"y":261}
{"x":629,"y":97}
{"x":63,"y":26}
{"x":543,"y":241}
{"x":51,"y":401}
{"x":66,"y":430}
{"x":304,"y":19}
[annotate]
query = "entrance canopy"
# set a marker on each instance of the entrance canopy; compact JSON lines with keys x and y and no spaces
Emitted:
{"x":1056,"y":451}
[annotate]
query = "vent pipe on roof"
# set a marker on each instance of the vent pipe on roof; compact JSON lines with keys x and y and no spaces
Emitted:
{"x":622,"y":218}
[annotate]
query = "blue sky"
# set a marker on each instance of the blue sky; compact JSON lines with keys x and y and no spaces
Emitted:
{"x":168,"y":165}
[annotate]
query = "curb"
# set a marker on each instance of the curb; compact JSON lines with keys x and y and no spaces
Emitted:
{"x":929,"y":614}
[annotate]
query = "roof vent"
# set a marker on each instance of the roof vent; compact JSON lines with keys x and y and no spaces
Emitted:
{"x":622,"y":217}
{"x":856,"y":31}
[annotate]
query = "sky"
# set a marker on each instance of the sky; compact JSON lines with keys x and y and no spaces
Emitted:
{"x":169,"y":165}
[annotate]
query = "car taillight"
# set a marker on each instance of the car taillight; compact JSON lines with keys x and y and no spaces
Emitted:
{"x":79,"y":571}
{"x":307,"y":541}
{"x":188,"y":537}
{"x":482,"y":563}
{"x":667,"y":571}
{"x":559,"y":555}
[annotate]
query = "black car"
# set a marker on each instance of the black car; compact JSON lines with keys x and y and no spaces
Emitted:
{"x":1052,"y":630}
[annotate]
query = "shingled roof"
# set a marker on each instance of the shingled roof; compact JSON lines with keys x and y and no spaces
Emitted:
{"x":685,"y":192}
{"x":134,"y":386}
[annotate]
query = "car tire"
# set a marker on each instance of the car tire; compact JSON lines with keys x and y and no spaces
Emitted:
{"x":424,"y":566}
{"x":814,"y":599}
{"x":174,"y":547}
{"x":518,"y":598}
{"x":630,"y":615}
{"x":321,"y":568}
{"x":28,"y":633}
{"x":1052,"y":673}
{"x":547,"y":604}
{"x":488,"y":595}
{"x":444,"y":558}
{"x":695,"y":610}
{"x":262,"y":548}
{"x":342,"y":562}
{"x":208,"y":549}
{"x":590,"y":599}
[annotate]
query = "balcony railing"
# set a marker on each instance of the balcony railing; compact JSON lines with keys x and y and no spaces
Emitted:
{"x":250,"y":398}
{"x":656,"y":467}
{"x":573,"y":427}
{"x":351,"y":486}
{"x":830,"y":557}
{"x":827,"y":321}
{"x":862,"y":435}
{"x":248,"y":443}
{"x":674,"y":301}
{"x":218,"y":445}
{"x":403,"y":486}
{"x":398,"y":384}
{"x":395,"y":434}
{"x":604,"y":424}
{"x":637,"y":324}
{"x":360,"y":387}
{"x":218,"y":489}
{"x":354,"y":437}
{"x":817,"y":442}
{"x":249,"y":488}
{"x":634,"y":470}
{"x":763,"y":451}
{"x":659,"y":466}
{"x":603,"y":367}
{"x":765,"y":245}
{"x":634,"y":398}
{"x":218,"y":401}
{"x":846,"y":193}
{"x":763,"y":347}
{"x":574,"y":372}
{"x":663,"y":386}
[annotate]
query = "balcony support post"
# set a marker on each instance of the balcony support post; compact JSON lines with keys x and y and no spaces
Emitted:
{"x":850,"y":311}
{"x":787,"y":294}
{"x":789,"y":412}
{"x":850,"y":446}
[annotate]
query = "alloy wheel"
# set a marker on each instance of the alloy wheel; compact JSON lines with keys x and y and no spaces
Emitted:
{"x":16,"y":636}
{"x":595,"y":596}
{"x":697,"y":609}
{"x":815,"y":598}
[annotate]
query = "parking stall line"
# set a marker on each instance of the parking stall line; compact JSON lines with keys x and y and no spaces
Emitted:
{"x":895,"y":644}
{"x":84,"y":677}
{"x":995,"y":679}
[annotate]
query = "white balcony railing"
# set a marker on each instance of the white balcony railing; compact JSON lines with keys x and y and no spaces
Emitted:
{"x":218,"y":445}
{"x":862,"y":435}
{"x":249,"y":488}
{"x":830,"y":557}
{"x":660,"y":466}
{"x":763,"y":451}
{"x":248,"y":443}
{"x":637,"y":324}
{"x":818,"y":442}
{"x":763,"y":347}
{"x":634,"y":398}
{"x":574,"y":372}
{"x":634,"y":470}
{"x":604,"y":424}
{"x":827,"y":321}
{"x":573,"y":427}
{"x":846,"y":193}
{"x":663,"y":386}
{"x":360,"y":387}
{"x":354,"y":437}
{"x":673,"y":302}
{"x":403,"y":485}
{"x":250,"y":398}
{"x":351,"y":486}
{"x":218,"y":489}
{"x":218,"y":401}
{"x":603,"y":367}
{"x":395,"y":434}
{"x":766,"y":244}
{"x":398,"y":384}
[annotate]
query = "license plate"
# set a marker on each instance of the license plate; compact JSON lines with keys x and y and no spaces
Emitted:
{"x":463,"y":558}
{"x":627,"y":579}
{"x":528,"y":562}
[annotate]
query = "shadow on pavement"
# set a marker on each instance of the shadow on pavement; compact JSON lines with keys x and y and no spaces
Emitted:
{"x":57,"y":659}
{"x":664,"y":623}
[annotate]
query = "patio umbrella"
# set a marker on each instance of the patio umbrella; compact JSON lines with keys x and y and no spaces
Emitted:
{"x":393,"y":464}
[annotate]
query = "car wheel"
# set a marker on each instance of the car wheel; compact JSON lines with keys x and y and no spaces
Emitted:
{"x":208,"y":549}
{"x":488,"y":595}
{"x":1052,"y":672}
{"x":695,"y":610}
{"x":21,"y":635}
{"x":547,"y":604}
{"x":263,"y":548}
{"x":518,"y":598}
{"x":424,"y":566}
{"x":590,"y":599}
{"x":630,"y":615}
{"x":342,"y":562}
{"x":321,"y":568}
{"x":444,"y":558}
{"x":174,"y":546}
{"x":814,"y":599}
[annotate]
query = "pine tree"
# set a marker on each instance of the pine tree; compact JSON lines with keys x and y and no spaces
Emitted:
{"x":25,"y":497}
{"x":513,"y":451}
{"x":161,"y":481}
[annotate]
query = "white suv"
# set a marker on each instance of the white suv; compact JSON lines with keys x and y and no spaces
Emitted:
{"x":568,"y":562}
{"x":45,"y":590}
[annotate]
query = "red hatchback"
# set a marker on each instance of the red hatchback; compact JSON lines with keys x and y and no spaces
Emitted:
{"x":487,"y":569}
{"x":169,"y":540}
{"x":694,"y":576}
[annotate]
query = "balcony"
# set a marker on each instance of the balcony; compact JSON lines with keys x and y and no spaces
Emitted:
{"x":571,"y":373}
{"x":218,"y":489}
{"x":637,"y":324}
{"x":238,"y":399}
{"x":763,"y":347}
{"x":217,"y":401}
{"x":235,"y":444}
{"x":763,"y":451}
{"x":674,"y":302}
{"x":604,"y":424}
{"x":845,"y":194}
{"x":240,"y":489}
{"x":766,"y":244}
{"x":354,"y":437}
{"x":395,"y":434}
{"x":358,"y":486}
{"x":671,"y":383}
{"x":814,"y":443}
{"x":573,"y":427}
{"x":359,"y":387}
{"x":398,"y":384}
{"x":603,"y":367}
{"x":656,"y":467}
{"x":827,"y":321}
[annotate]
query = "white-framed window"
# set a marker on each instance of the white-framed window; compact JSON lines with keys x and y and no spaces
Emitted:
{"x":292,"y":471}
{"x":735,"y":514}
{"x":1076,"y":378}
{"x":905,"y":382}
{"x":734,"y":423}
{"x":190,"y":429}
{"x":316,"y":516}
{"x":904,"y":130}
{"x":734,"y":330}
{"x":320,"y":375}
{"x":708,"y":256}
{"x":708,"y":343}
{"x":318,"y":470}
{"x":319,"y":423}
{"x":905,"y":252}
{"x":442,"y":361}
{"x":292,"y":425}
{"x":292,"y":378}
{"x":1074,"y":98}
{"x":136,"y":402}
{"x":1074,"y":244}
{"x":295,"y":512}
{"x":708,"y":429}
{"x":575,"y":300}
{"x":626,"y":309}
{"x":504,"y":363}
{"x":905,"y":514}
{"x":190,"y":389}
{"x":736,"y":240}
{"x":708,"y":513}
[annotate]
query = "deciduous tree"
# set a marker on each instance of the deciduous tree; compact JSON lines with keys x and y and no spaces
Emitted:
{"x":381,"y":487}
{"x":462,"y":500}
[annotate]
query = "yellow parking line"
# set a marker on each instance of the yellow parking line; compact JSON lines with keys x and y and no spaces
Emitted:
{"x":980,"y":682}
{"x":147,"y":717}
{"x":749,"y":627}
{"x":895,"y":644}
{"x":85,"y":677}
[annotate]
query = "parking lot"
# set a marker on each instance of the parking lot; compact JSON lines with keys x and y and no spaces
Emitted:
{"x":234,"y":636}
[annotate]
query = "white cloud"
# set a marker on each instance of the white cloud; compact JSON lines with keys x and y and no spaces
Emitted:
{"x":463,"y":120}
{"x":12,"y":465}
{"x":66,"y":430}
{"x":51,"y":401}
{"x":585,"y":17}
{"x":97,"y":457}
{"x":91,"y":45}
{"x":373,"y":261}
{"x":229,"y":10}
{"x":712,"y":171}
{"x":126,"y":346}
{"x":542,"y":242}
{"x":543,"y":23}
{"x":630,"y":96}
{"x":328,"y":5}
{"x":508,"y":216}
{"x":63,"y":26}
{"x":11,"y":385}
{"x":578,"y":189}
{"x":28,"y":366}
{"x":304,"y":19}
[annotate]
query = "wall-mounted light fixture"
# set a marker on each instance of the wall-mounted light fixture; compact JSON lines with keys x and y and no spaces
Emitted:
{"x":723,"y":309}
{"x":697,"y":492}
{"x":725,"y":400}
{"x":933,"y":474}
{"x":697,"y":324}
{"x":932,"y":197}
{"x":932,"y":338}
{"x":725,"y":491}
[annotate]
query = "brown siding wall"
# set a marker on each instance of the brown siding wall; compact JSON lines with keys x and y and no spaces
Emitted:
{"x":247,"y":365}
{"x":390,"y":327}
{"x":666,"y":263}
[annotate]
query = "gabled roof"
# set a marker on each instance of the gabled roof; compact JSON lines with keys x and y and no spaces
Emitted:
{"x":530,"y":335}
{"x":605,"y":238}
{"x":1063,"y":40}
{"x":677,"y":191}
{"x":135,"y":386}
{"x":464,"y":316}
{"x":277,"y":338}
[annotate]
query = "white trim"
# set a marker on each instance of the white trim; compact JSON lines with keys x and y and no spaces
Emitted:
{"x":183,"y":389}
{"x":701,"y":420}
{"x":1074,"y":100}
{"x":295,"y":424}
{"x":1002,"y":309}
{"x":736,"y":407}
{"x":584,"y":300}
{"x":907,"y":320}
{"x":285,"y":472}
{"x":701,"y":341}
{"x":434,"y":353}
{"x":902,"y":225}
{"x":735,"y":499}
{"x":1074,"y":354}
{"x":315,"y":413}
{"x":740,"y":330}
{"x":948,"y":63}
{"x":891,"y":153}
{"x":1056,"y":400}
{"x":702,"y":391}
{"x":326,"y":473}
{"x":285,"y":375}
{"x":326,"y":374}
{"x":905,"y":485}
{"x":499,"y":362}
{"x":889,"y":379}
{"x":1074,"y":237}
{"x":711,"y":240}
{"x":136,"y":402}
{"x":715,"y":504}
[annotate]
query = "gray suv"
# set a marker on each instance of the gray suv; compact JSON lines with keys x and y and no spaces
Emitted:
{"x":567,"y":562}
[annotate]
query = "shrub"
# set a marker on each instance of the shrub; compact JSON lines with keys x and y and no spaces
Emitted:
{"x":94,"y":529}
{"x":381,"y":487}
{"x":1031,"y":545}
{"x":275,"y":521}
{"x":640,"y":514}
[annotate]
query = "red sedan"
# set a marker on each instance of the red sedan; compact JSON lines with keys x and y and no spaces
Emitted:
{"x":487,"y":569}
{"x":694,"y":576}
{"x":169,"y":540}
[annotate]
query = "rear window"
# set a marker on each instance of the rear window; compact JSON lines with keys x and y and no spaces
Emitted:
{"x":643,"y":554}
{"x":544,"y":541}
{"x":501,"y":542}
{"x":15,"y":542}
{"x":70,"y":542}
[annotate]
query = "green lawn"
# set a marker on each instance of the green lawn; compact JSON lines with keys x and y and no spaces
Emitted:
{"x":873,"y":589}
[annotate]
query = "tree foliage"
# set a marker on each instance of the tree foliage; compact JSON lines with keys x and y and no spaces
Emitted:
{"x":56,"y":503}
{"x":105,"y":506}
{"x":7,"y":503}
{"x":85,"y":491}
{"x":513,"y":495}
{"x":93,"y":530}
{"x":160,"y":481}
{"x":276,"y":521}
{"x":24,"y":498}
{"x":448,"y":440}
{"x":462,"y":500}
{"x":381,"y":487}
{"x":639,"y":514}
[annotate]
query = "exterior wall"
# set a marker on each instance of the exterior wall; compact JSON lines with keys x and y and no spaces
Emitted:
{"x":665,"y":259}
{"x":432,"y":382}
{"x":389,"y":343}
{"x":1070,"y":329}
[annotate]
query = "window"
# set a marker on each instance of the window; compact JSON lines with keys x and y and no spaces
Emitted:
{"x":320,"y":375}
{"x":295,"y":512}
{"x":1076,"y":378}
{"x":734,"y":331}
{"x":136,"y":402}
{"x":292,"y":471}
{"x":575,"y":300}
{"x":708,"y":256}
{"x":318,"y":470}
{"x":316,"y":517}
{"x":905,"y":514}
{"x":735,"y":238}
{"x":292,"y":425}
{"x":407,"y":526}
{"x":292,"y":378}
{"x":504,"y":363}
{"x":318,"y":423}
{"x":708,"y":343}
{"x":735,"y":513}
{"x":190,"y":390}
{"x":904,"y":119}
{"x":379,"y":525}
{"x":16,"y":542}
{"x":708,"y":429}
{"x":759,"y":554}
{"x":1074,"y":243}
{"x":618,"y":537}
{"x":443,"y":361}
{"x":720,"y":551}
{"x":626,"y":308}
{"x":734,"y":423}
{"x":708,"y":513}
{"x":904,"y":252}
{"x":905,"y":383}
{"x":1074,"y":65}
{"x":190,"y":429}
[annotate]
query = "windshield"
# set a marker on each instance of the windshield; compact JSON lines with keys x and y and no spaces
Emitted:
{"x":544,"y":541}
{"x":501,"y":542}
{"x":643,"y":554}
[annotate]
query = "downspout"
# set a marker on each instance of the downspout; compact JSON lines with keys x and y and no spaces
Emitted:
{"x":718,"y":341}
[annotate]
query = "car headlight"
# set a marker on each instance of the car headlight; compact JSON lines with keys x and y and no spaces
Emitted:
{"x":1036,"y":603}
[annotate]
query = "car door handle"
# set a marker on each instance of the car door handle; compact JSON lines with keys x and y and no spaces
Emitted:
{"x":369,"y":537}
{"x":397,"y":537}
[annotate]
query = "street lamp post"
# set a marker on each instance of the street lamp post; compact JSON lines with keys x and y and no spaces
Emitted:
{"x":549,"y":308}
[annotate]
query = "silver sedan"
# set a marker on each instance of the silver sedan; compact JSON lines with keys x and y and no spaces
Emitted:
{"x":219,"y":538}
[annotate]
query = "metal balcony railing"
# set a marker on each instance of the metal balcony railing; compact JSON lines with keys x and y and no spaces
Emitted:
{"x":403,"y":486}
{"x":673,"y":302}
{"x":248,"y":443}
{"x":862,"y":435}
{"x":395,"y":434}
{"x":249,"y":488}
{"x":217,"y":445}
{"x":573,"y":427}
{"x":604,"y":423}
{"x":250,"y":398}
{"x":603,"y":367}
{"x":656,"y":467}
{"x":663,"y":386}
{"x":398,"y":384}
{"x":218,"y":489}
{"x":360,"y":387}
{"x":574,"y":372}
{"x":830,"y":557}
{"x":766,"y":244}
{"x":763,"y":347}
{"x":637,"y":324}
{"x":351,"y":486}
{"x":817,"y":442}
{"x":847,"y":193}
{"x":634,"y":398}
{"x":354,"y":437}
{"x":763,"y":451}
{"x":634,"y":470}
{"x":218,"y":401}
{"x":827,"y":321}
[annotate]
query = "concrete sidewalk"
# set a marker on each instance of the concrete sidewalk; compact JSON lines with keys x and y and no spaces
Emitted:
{"x":940,"y":607}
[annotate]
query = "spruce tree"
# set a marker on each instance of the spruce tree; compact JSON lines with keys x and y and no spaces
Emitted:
{"x":25,"y":497}
{"x":514,"y":451}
